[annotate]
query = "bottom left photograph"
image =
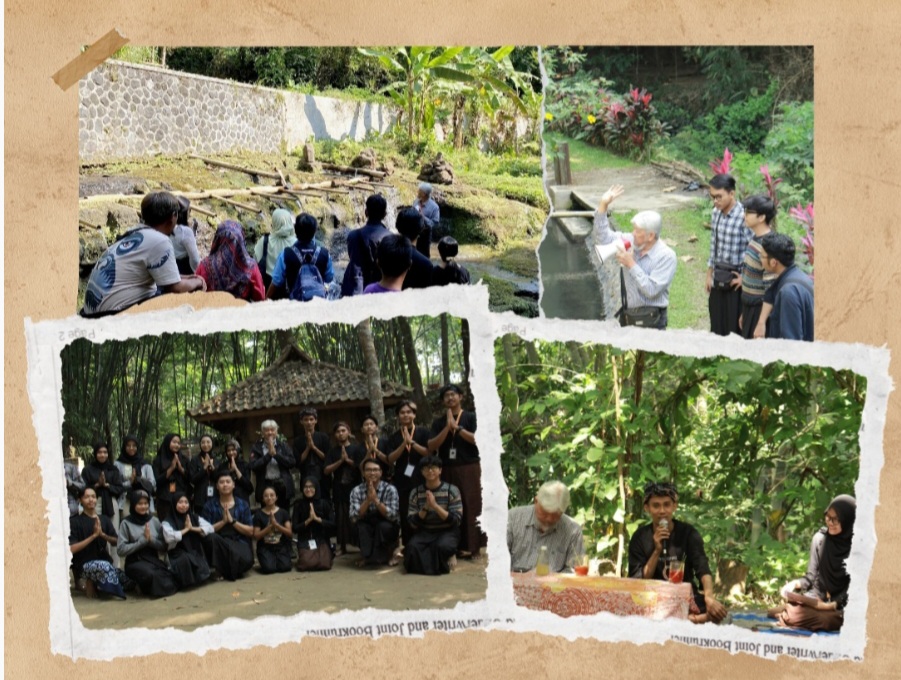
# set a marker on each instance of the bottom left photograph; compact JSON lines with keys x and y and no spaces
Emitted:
{"x":320,"y":468}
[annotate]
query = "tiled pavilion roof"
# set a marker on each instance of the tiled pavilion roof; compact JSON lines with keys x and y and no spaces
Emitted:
{"x":294,"y":380}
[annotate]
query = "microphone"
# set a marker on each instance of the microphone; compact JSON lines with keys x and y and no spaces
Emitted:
{"x":663,"y":524}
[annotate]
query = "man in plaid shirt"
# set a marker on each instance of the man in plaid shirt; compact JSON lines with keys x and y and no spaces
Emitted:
{"x":374,"y":508}
{"x":728,"y":241}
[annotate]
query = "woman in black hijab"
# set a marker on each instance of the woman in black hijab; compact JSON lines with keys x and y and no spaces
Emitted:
{"x":140,"y":543}
{"x":170,"y":468}
{"x":183,"y":532}
{"x":314,"y":523}
{"x":136,"y":473}
{"x":102,"y":476}
{"x":825,"y":585}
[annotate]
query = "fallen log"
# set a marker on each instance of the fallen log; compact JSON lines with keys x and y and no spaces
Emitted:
{"x":354,"y":171}
{"x":85,"y":223}
{"x":203,"y":211}
{"x":237,"y":204}
{"x":232,"y":166}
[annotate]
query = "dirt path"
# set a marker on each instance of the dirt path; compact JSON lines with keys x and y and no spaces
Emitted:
{"x":644,"y":188}
{"x":344,"y":587}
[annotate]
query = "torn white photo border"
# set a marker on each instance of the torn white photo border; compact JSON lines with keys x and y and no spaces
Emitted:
{"x":498,"y":610}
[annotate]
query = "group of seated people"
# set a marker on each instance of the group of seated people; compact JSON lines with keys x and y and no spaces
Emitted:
{"x":664,"y":540}
{"x":161,"y":256}
{"x":183,"y":521}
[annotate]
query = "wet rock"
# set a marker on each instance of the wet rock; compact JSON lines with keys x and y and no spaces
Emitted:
{"x":307,"y":161}
{"x":93,"y":185}
{"x":365,"y":159}
{"x":438,"y":171}
{"x":95,"y":216}
{"x":121,"y":218}
{"x":92,"y":244}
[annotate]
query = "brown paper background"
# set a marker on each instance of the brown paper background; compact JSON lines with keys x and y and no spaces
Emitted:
{"x":858,"y":178}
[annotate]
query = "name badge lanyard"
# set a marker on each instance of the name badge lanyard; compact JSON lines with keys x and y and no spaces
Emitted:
{"x":408,"y":471}
{"x":452,"y":454}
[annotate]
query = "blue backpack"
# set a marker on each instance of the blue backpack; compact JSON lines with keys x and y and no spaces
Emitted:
{"x":308,"y":283}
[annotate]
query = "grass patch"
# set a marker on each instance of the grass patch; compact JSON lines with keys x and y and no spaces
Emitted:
{"x":501,"y":298}
{"x":687,"y":297}
{"x":584,"y":157}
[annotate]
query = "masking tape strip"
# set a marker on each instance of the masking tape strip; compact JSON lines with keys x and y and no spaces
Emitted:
{"x":90,"y":59}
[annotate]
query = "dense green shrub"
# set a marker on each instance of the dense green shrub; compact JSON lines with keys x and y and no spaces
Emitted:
{"x":790,"y":143}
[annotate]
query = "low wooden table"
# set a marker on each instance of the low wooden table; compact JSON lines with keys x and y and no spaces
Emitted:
{"x":571,"y":595}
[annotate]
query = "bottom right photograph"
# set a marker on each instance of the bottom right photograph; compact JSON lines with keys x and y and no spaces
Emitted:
{"x":709,"y":489}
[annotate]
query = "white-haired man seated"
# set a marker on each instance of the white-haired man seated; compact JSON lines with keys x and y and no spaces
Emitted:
{"x":648,"y":264}
{"x":543,"y":524}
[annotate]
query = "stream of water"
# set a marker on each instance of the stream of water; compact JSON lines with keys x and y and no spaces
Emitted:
{"x":571,"y":287}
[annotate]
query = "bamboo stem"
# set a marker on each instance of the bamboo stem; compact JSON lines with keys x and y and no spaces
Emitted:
{"x":232,"y":166}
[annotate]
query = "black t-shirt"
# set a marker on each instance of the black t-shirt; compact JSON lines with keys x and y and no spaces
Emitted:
{"x":273,"y":538}
{"x":684,"y":541}
{"x":346,"y":474}
{"x":420,"y":272}
{"x":465,"y":452}
{"x":80,"y":527}
{"x":401,"y":479}
{"x":313,"y":465}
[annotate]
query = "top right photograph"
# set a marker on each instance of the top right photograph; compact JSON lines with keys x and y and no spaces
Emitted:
{"x":681,"y":182}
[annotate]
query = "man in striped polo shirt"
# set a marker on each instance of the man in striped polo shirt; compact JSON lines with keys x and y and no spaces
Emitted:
{"x":543,"y":524}
{"x":648,"y":264}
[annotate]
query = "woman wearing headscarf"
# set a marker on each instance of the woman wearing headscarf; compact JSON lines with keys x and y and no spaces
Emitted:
{"x":170,"y":469}
{"x":230,"y":551}
{"x":102,"y":476}
{"x":272,"y":532}
{"x":89,"y":536}
{"x":238,"y":469}
{"x":136,"y":473}
{"x":314,"y":523}
{"x":269,"y":247}
{"x":825,"y":585}
{"x":229,"y":267}
{"x":203,"y":472}
{"x":140,"y":543}
{"x":183,"y":532}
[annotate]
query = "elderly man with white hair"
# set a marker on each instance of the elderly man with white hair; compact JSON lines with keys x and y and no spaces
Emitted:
{"x":648,"y":264}
{"x":544,"y":524}
{"x":430,"y":216}
{"x":272,"y":460}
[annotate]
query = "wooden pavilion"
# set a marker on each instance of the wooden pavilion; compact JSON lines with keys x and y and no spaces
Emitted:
{"x":293,"y":382}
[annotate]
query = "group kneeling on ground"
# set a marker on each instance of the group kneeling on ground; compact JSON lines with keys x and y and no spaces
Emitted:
{"x":666,"y":546}
{"x":204,"y":527}
{"x":160,"y":256}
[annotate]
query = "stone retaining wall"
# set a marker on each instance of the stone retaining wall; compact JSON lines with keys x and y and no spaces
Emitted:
{"x":132,"y":111}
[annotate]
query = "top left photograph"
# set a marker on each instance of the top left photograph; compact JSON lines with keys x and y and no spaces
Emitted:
{"x":304,"y":172}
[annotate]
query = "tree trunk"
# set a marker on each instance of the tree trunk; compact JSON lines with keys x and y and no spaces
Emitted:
{"x":373,"y":375}
{"x":445,"y":351}
{"x":464,"y":338}
{"x":424,"y":412}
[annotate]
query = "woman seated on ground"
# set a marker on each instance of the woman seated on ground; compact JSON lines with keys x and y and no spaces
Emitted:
{"x":272,"y":532}
{"x":230,"y":552}
{"x":184,"y":239}
{"x":235,"y":465}
{"x":140,"y":543}
{"x":435,"y":511}
{"x":183,"y":532}
{"x":102,"y":476}
{"x":314,"y":523}
{"x":268,"y":248}
{"x":229,"y":267}
{"x":825,"y":586}
{"x":89,"y":535}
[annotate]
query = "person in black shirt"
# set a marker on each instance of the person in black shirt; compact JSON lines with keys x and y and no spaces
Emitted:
{"x":310,"y":449}
{"x":453,"y":437}
{"x":343,"y":465}
{"x":236,"y":466}
{"x":272,"y":533}
{"x":271,"y":461}
{"x":203,"y":473}
{"x":404,"y":450}
{"x":666,"y":539}
{"x":409,"y":224}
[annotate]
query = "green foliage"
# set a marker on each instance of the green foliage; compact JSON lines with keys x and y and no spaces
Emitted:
{"x":757,"y":451}
{"x":138,"y":54}
{"x":790,"y":144}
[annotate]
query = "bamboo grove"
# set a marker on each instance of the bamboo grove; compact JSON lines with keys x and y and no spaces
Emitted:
{"x":756,"y":451}
{"x":145,"y":385}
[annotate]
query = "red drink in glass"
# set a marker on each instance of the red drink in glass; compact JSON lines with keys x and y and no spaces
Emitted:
{"x":581,"y":570}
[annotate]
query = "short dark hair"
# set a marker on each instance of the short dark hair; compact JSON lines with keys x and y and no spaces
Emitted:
{"x":376,"y":208}
{"x":405,"y":402}
{"x":448,"y":248}
{"x":760,"y":205}
{"x":395,"y":255}
{"x":340,"y":423}
{"x":305,"y":226}
{"x":431,"y":459}
{"x":184,"y":207}
{"x":723,"y":181}
{"x":367,"y":462}
{"x":780,"y":247}
{"x":371,"y":417}
{"x":157,"y":207}
{"x":661,"y":490}
{"x":450,"y":388}
{"x":309,"y":411}
{"x":409,"y":223}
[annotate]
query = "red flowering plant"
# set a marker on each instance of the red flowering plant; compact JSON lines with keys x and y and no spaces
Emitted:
{"x":631,"y":126}
{"x":722,"y":166}
{"x":771,"y":184}
{"x":804,"y":217}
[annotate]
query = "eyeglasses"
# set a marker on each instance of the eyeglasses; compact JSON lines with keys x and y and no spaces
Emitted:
{"x":831,"y":519}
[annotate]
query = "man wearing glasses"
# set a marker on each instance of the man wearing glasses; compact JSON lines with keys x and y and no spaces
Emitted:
{"x":374,"y":513}
{"x":728,"y":241}
{"x":666,"y":539}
